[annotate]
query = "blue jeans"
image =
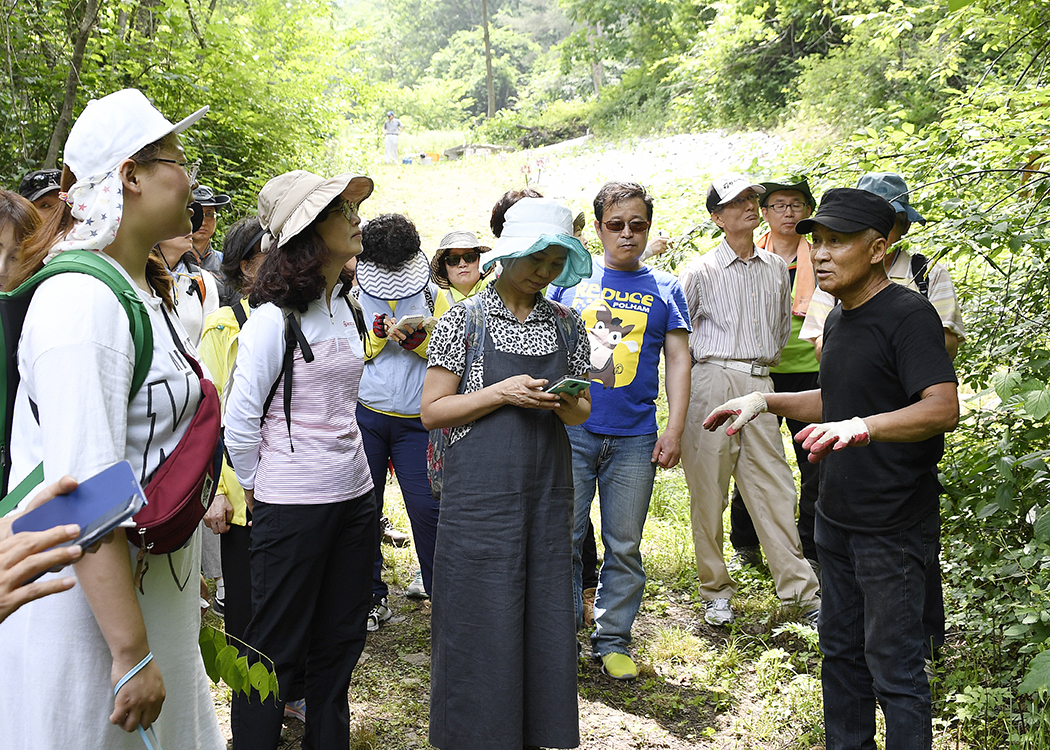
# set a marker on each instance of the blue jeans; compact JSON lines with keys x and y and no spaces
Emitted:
{"x":871,"y":634}
{"x":624,"y":472}
{"x":403,"y":442}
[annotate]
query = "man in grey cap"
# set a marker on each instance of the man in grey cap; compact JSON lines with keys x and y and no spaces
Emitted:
{"x":209,"y":258}
{"x":739,"y":299}
{"x":888,"y":394}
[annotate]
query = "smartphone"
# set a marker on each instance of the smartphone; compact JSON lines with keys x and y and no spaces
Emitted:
{"x":410,"y":320}
{"x":572,"y":386}
{"x":98,"y":505}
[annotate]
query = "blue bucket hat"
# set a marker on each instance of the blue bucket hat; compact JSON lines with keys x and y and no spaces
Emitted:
{"x":893,"y":188}
{"x":534,"y":224}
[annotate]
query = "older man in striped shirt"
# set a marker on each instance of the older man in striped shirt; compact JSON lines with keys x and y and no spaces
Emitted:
{"x":739,"y":299}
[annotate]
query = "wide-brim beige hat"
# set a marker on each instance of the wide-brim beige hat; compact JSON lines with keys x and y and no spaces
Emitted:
{"x":290,"y":202}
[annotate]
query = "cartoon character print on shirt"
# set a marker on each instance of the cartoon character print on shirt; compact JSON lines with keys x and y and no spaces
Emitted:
{"x":615,"y":336}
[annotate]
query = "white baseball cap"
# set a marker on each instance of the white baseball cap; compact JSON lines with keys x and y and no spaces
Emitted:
{"x":114,"y":128}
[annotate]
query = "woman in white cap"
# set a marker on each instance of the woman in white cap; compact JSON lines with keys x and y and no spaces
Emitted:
{"x":503,"y":659}
{"x":294,"y":442}
{"x":456,"y":269}
{"x":126,"y":186}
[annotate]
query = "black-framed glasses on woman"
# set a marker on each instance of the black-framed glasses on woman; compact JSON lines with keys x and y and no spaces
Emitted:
{"x":454,"y":260}
{"x":637,"y":225}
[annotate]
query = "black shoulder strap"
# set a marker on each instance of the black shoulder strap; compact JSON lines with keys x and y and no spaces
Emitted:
{"x":239,"y":314}
{"x":430,"y":298}
{"x":293,"y":335}
{"x":920,"y":273}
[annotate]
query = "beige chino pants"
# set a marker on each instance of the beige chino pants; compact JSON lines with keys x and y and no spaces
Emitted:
{"x":755,"y":458}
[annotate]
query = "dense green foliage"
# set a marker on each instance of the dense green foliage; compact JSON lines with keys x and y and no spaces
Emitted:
{"x":278,"y":77}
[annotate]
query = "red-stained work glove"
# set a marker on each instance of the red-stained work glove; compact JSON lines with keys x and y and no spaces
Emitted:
{"x":744,"y":408}
{"x":414,"y":339}
{"x":822,"y":439}
{"x":379,"y":325}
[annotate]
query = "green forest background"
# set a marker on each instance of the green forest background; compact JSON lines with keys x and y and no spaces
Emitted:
{"x":952,"y":95}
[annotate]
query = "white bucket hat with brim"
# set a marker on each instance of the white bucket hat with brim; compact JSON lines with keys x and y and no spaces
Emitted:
{"x":534,"y":224}
{"x":108,"y":131}
{"x":382,"y":283}
{"x":290,"y":202}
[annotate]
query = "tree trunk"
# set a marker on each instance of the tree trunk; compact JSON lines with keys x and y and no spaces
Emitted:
{"x":489,"y":84}
{"x":65,"y":117}
{"x":597,"y":71}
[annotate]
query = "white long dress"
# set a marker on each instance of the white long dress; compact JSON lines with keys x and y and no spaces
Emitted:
{"x":76,"y":359}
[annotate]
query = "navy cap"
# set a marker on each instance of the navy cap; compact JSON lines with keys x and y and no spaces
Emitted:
{"x":851,"y":210}
{"x":893,"y":188}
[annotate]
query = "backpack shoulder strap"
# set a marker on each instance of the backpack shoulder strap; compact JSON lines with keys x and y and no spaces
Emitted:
{"x":474,"y":332}
{"x":570,"y":335}
{"x":430,"y":297}
{"x":293,"y":336}
{"x":239,"y":314}
{"x":15,"y":305}
{"x":920,"y":273}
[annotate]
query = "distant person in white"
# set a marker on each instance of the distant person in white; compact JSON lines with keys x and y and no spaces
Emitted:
{"x":391,"y":129}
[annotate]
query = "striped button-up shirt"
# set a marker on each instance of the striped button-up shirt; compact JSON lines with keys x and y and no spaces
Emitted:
{"x":739,"y":309}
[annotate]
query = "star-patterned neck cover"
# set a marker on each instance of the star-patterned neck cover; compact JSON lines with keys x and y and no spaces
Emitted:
{"x":98,"y":205}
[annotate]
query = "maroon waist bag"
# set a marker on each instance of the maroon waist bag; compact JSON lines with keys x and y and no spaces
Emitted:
{"x":184,"y":485}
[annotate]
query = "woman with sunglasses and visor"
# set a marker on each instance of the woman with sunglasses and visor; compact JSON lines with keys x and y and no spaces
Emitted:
{"x":503,"y":654}
{"x":456,"y":269}
{"x":300,"y":459}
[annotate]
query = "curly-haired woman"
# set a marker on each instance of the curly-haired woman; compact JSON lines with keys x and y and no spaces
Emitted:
{"x":393,"y":278}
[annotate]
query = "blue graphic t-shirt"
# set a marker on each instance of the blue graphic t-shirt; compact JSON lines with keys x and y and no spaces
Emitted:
{"x":627,"y":315}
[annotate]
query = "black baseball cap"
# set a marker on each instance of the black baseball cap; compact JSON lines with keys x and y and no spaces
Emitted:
{"x":39,"y":183}
{"x":208,"y":197}
{"x":772,"y":187}
{"x":851,"y":210}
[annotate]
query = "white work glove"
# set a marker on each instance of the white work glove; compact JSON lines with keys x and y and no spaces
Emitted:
{"x":745,"y":408}
{"x":822,"y":439}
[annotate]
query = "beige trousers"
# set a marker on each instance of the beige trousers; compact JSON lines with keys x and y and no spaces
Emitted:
{"x":755,"y":458}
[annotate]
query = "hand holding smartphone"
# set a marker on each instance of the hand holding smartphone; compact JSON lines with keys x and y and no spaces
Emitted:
{"x":571,"y":386}
{"x":98,"y":506}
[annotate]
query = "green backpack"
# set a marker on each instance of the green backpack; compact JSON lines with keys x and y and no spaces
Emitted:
{"x":13,"y":308}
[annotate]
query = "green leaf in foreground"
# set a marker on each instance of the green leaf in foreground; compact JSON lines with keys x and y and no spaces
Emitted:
{"x":1038,"y":677}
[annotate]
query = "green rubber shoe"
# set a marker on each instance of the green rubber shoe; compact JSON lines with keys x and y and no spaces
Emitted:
{"x":619,"y":666}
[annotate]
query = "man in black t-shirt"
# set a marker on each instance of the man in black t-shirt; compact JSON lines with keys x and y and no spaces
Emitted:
{"x":888,"y":394}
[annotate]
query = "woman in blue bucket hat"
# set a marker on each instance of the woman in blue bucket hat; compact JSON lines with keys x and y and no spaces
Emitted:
{"x":503,"y":660}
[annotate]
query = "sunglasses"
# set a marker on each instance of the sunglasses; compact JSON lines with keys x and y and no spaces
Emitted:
{"x":637,"y":225}
{"x":454,"y":260}
{"x":349,"y":209}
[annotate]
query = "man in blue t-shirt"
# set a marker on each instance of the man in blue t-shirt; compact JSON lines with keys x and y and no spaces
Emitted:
{"x":632,"y":313}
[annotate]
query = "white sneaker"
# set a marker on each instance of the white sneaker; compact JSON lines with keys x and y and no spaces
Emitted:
{"x":380,"y":613}
{"x":416,"y":590}
{"x":718,"y":612}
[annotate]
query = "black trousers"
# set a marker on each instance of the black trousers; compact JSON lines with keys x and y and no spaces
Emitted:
{"x":742,"y":533}
{"x":311,"y":570}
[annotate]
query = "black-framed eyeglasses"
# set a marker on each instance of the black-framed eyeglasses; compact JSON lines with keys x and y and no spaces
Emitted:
{"x":469,"y":257}
{"x":637,"y":225}
{"x":795,"y":206}
{"x":192,"y":168}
